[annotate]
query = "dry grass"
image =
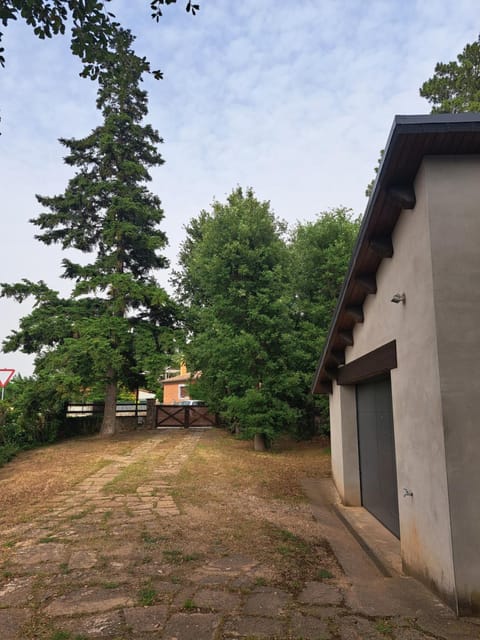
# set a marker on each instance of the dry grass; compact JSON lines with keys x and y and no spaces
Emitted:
{"x":34,"y":477}
{"x":232,"y":501}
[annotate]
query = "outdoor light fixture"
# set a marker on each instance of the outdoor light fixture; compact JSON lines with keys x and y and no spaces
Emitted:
{"x":399,"y":297}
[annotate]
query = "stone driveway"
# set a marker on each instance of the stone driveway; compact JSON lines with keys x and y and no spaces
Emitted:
{"x":74,"y":574}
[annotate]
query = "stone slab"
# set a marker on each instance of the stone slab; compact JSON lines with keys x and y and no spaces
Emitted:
{"x":267,"y":602}
{"x":96,"y":626}
{"x":353,"y":628}
{"x":306,"y":627}
{"x":16,"y":592}
{"x":255,"y":627}
{"x":140,"y":619}
{"x":217,"y":600}
{"x":12,"y":621}
{"x":191,"y":626}
{"x":82,"y":560}
{"x":320,"y":593}
{"x":43,"y":552}
{"x":87,"y":601}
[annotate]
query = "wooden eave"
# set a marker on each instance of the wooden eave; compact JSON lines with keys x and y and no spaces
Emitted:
{"x":411,"y":139}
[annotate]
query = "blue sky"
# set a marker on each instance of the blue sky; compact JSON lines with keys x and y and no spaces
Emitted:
{"x":294,"y":98}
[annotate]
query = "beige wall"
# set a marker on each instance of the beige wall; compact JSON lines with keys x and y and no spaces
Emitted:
{"x":344,"y":445}
{"x":455,"y":239}
{"x":425,"y":531}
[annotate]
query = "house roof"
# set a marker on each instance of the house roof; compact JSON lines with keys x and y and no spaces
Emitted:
{"x":183,"y":377}
{"x":411,"y":138}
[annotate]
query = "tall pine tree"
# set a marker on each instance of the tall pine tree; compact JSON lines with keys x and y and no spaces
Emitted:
{"x":106,"y":212}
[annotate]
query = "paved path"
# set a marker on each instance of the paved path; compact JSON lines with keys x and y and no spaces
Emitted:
{"x":76,"y":572}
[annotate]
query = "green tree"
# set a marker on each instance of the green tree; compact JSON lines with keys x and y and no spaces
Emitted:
{"x":116,"y":311}
{"x":455,"y":86}
{"x":234,"y":283}
{"x":369,"y":189}
{"x":320,"y":255}
{"x":93,"y":26}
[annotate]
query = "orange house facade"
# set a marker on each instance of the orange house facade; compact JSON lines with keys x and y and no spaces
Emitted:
{"x":176,"y":389}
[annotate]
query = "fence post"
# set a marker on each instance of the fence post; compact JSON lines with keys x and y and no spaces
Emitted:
{"x":186,"y":421}
{"x":151,"y":417}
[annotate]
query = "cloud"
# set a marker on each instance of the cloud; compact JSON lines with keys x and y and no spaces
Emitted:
{"x":294,"y":99}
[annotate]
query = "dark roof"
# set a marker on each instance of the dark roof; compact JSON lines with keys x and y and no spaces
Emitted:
{"x":411,"y":138}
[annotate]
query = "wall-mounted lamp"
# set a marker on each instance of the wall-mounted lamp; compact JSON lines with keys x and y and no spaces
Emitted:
{"x":399,"y":297}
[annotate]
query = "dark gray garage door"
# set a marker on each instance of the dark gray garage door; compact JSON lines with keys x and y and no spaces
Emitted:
{"x":378,"y":471}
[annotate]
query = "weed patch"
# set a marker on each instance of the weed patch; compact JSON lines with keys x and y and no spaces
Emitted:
{"x":147,"y":596}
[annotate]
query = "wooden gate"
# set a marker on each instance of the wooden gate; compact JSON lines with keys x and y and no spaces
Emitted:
{"x":169,"y":415}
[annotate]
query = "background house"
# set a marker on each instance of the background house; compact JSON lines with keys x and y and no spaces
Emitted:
{"x":176,"y":388}
{"x":402,"y":360}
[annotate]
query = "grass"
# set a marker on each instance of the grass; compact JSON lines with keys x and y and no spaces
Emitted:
{"x":81,"y":514}
{"x":35,"y":477}
{"x":189,"y":605}
{"x":151,"y":539}
{"x":66,"y":635}
{"x":176,"y":556}
{"x":325,"y":574}
{"x":385,"y":627}
{"x":130,"y":478}
{"x":292,"y":545}
{"x":173,"y":556}
{"x":111,"y":585}
{"x":232,"y":507}
{"x":147,"y":596}
{"x":106,"y":516}
{"x":48,"y":539}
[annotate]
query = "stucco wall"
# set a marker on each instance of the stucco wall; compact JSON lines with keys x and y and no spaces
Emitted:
{"x":454,"y":203}
{"x":171,"y":392}
{"x":344,"y":445}
{"x":417,"y":407}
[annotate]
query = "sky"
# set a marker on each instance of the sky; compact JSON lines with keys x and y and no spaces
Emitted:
{"x":294,"y":98}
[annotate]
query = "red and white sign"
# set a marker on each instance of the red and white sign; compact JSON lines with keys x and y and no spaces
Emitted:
{"x":5,"y":376}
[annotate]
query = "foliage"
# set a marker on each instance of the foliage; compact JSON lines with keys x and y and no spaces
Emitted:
{"x":454,"y":88}
{"x":320,"y":255}
{"x":117,"y":317}
{"x":93,"y":26}
{"x":369,"y":189}
{"x":234,"y":284}
{"x":455,"y":85}
{"x":32,"y":415}
{"x":258,"y":308}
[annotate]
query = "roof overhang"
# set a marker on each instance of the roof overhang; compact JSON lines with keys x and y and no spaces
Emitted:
{"x":411,"y":139}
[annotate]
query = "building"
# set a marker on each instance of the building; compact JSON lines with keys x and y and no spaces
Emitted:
{"x":401,"y":363}
{"x":176,"y":388}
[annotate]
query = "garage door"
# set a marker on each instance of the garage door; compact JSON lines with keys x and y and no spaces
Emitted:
{"x":378,"y":471}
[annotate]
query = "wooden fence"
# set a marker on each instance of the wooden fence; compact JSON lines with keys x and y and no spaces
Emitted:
{"x":150,"y":414}
{"x":124,"y":409}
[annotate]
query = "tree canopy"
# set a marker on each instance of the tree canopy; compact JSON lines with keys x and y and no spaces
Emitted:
{"x":93,"y":27}
{"x":257,"y":306}
{"x":455,"y":85}
{"x":116,"y":310}
{"x":233,"y":281}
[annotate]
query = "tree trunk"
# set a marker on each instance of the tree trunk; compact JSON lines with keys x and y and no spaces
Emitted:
{"x":109,"y":422}
{"x":259,"y":442}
